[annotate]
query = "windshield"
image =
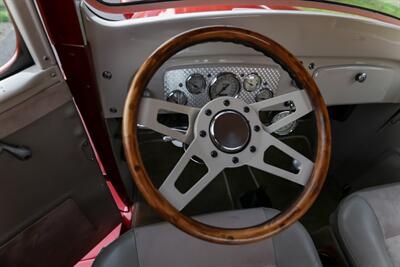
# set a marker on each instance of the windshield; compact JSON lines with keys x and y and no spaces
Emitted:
{"x":387,"y":7}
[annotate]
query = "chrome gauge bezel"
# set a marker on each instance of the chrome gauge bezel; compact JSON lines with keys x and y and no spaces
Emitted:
{"x":218,"y":77}
{"x":252,"y":76}
{"x":292,"y":127}
{"x":172,"y":95}
{"x":263,"y":90}
{"x":188,"y":86}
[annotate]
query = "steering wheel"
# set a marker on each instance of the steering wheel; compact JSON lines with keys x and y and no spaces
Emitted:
{"x":226,"y":133}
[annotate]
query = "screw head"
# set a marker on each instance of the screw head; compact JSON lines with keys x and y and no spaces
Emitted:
{"x":214,"y":154}
{"x":253,"y":149}
{"x":257,"y":128}
{"x":226,"y":102}
{"x":107,"y":75}
{"x":203,"y":133}
{"x":246,"y":109}
{"x":235,"y":160}
{"x":208,"y":112}
{"x":361,"y":77}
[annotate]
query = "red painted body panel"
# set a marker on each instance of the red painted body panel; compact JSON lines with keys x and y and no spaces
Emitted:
{"x":76,"y":63}
{"x":197,"y":9}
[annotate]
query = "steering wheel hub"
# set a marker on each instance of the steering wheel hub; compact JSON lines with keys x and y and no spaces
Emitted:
{"x":230,"y":131}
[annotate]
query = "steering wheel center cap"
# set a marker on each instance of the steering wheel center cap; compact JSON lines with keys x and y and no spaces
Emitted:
{"x":230,"y":131}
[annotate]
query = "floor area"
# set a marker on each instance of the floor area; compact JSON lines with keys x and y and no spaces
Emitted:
{"x":239,"y":187}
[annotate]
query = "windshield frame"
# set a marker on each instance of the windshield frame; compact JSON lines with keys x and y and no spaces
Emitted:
{"x":145,"y":5}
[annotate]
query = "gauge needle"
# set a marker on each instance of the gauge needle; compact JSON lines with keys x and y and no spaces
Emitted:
{"x":223,"y":89}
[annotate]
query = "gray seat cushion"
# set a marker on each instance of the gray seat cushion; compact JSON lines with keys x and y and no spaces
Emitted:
{"x":164,"y":245}
{"x":368,"y":226}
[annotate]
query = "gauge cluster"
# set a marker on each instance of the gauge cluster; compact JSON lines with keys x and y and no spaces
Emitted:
{"x":198,"y":85}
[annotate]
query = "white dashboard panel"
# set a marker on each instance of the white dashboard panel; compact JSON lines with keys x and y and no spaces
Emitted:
{"x":325,"y":40}
{"x":340,"y":85}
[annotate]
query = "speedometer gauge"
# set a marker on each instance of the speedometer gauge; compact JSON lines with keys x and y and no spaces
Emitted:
{"x":225,"y":84}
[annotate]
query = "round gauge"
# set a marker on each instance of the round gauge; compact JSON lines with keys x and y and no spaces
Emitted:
{"x":225,"y":84}
{"x":252,"y":82}
{"x":196,"y":83}
{"x":264,"y":94}
{"x":177,"y":97}
{"x":288,"y":128}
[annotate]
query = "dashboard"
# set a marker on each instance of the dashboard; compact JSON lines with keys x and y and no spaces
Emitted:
{"x":339,"y":51}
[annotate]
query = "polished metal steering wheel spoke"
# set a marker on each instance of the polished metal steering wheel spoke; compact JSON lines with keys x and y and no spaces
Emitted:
{"x":300,"y":100}
{"x":168,"y":188}
{"x":305,"y":166}
{"x":148,"y":117}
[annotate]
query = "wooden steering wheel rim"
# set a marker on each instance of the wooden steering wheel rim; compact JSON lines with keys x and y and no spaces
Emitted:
{"x":303,"y":79}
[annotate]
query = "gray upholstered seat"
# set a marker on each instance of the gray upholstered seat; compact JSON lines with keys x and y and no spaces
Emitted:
{"x":368,"y":226}
{"x":164,"y":245}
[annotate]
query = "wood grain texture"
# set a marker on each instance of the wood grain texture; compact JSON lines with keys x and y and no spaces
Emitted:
{"x":295,"y":69}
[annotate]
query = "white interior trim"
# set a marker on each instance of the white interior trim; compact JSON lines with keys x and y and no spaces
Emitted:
{"x":324,"y":39}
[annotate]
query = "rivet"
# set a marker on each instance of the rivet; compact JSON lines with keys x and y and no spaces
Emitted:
{"x":361,"y":77}
{"x":203,"y":133}
{"x":257,"y":128}
{"x":208,"y":112}
{"x":227,"y":103}
{"x":235,"y":160}
{"x":107,"y":75}
{"x":253,"y":149}
{"x":214,"y":154}
{"x":246,"y":109}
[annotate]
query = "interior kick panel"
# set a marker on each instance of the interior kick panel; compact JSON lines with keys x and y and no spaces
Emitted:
{"x":64,"y":222}
{"x":60,"y":186}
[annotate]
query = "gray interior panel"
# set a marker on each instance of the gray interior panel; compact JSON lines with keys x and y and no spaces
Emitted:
{"x":62,"y":169}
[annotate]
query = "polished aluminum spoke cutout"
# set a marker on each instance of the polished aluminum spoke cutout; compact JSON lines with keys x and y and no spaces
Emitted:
{"x":148,"y":113}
